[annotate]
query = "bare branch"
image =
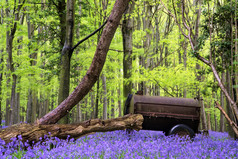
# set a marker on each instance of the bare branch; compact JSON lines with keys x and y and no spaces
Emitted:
{"x":175,"y":19}
{"x":88,"y":36}
{"x":163,"y":88}
{"x":232,"y":123}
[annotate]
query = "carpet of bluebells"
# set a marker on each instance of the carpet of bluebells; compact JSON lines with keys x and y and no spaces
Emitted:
{"x":118,"y":144}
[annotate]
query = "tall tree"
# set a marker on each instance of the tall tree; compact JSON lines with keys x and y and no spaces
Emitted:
{"x":105,"y":103}
{"x":127,"y":32}
{"x":66,"y":55}
{"x":236,"y":55}
{"x":32,"y":94}
{"x":1,"y":78}
{"x":1,"y":73}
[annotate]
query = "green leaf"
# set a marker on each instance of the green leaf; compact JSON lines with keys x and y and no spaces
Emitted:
{"x":235,"y":86}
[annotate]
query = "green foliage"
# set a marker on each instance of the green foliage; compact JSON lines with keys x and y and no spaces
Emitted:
{"x":173,"y":71}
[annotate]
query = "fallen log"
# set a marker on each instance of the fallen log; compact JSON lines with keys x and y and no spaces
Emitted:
{"x":33,"y":132}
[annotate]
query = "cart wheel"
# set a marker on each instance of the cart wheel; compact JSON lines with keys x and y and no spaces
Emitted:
{"x":182,"y":130}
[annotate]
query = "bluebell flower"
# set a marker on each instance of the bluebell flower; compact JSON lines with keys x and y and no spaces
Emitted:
{"x":118,"y":144}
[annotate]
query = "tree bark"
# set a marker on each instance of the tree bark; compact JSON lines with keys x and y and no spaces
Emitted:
{"x":119,"y":102}
{"x":33,"y":132}
{"x":222,"y":125}
{"x":1,"y":74}
{"x":32,"y":94}
{"x":236,"y":52}
{"x":209,"y":123}
{"x":66,"y":56}
{"x":1,"y":77}
{"x":112,"y":104}
{"x":127,"y":31}
{"x":97,"y":100}
{"x":61,"y":9}
{"x":79,"y":113}
{"x":104,"y":116}
{"x":203,"y":116}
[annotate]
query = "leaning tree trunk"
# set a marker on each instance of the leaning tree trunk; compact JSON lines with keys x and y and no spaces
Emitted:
{"x":95,"y":69}
{"x":33,"y":132}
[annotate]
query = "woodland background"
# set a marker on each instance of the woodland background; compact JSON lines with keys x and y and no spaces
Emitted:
{"x":148,"y":52}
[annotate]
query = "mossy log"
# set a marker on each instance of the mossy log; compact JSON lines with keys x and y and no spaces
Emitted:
{"x":33,"y":132}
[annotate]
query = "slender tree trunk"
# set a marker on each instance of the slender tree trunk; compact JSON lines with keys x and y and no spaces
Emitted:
{"x":209,"y":123}
{"x":7,"y":115}
{"x":112,"y":104}
{"x":18,"y":88}
{"x":147,"y":43}
{"x":119,"y":102}
{"x":229,"y":111}
{"x":92,"y":104}
{"x":222,"y":124}
{"x":127,"y":31}
{"x":97,"y":100}
{"x":41,"y":105}
{"x":157,"y":47}
{"x":10,"y":66}
{"x":185,"y":46}
{"x":29,"y":107}
{"x":85,"y":107}
{"x":61,"y":8}
{"x":13,"y":101}
{"x":66,"y":56}
{"x":236,"y":54}
{"x":10,"y":69}
{"x":1,"y":74}
{"x":98,"y":81}
{"x":1,"y":78}
{"x":46,"y":104}
{"x":104,"y":97}
{"x":79,"y":113}
{"x":32,"y":96}
{"x":215,"y":121}
{"x":203,"y":116}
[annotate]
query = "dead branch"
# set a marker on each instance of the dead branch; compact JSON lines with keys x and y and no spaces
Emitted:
{"x":232,"y":123}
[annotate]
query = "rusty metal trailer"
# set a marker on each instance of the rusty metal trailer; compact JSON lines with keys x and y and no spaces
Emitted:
{"x":171,"y":115}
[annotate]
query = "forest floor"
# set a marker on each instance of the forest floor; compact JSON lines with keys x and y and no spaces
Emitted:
{"x":118,"y":144}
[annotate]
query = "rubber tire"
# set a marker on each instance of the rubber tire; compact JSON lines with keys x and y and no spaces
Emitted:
{"x":182,"y":128}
